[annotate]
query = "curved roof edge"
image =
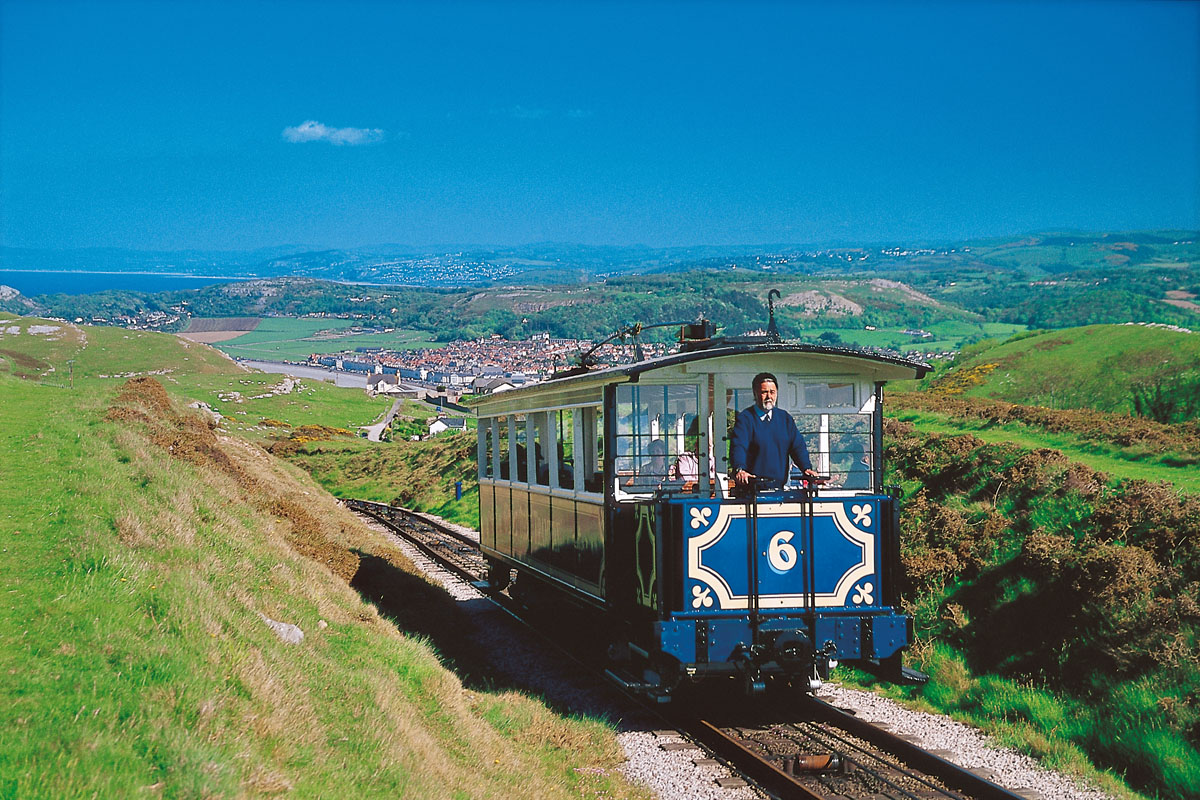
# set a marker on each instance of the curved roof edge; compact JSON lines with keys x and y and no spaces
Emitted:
{"x":615,"y":374}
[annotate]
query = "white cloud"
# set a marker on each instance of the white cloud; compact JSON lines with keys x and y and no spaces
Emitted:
{"x":313,"y":131}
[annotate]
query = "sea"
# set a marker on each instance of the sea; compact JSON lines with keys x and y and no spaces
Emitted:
{"x":34,"y":282}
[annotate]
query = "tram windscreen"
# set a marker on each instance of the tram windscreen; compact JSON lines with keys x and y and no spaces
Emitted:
{"x":839,"y":438}
{"x":657,"y":437}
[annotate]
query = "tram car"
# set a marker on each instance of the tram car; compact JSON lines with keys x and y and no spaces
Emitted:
{"x":610,"y":488}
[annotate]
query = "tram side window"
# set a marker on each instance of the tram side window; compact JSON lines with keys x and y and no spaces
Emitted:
{"x":657,"y":437}
{"x":487,"y":444}
{"x":539,"y":435}
{"x":502,"y":446}
{"x":564,"y":427}
{"x":519,"y":456}
{"x":591,"y":453}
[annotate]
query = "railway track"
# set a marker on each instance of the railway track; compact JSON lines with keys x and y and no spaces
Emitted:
{"x":801,"y":748}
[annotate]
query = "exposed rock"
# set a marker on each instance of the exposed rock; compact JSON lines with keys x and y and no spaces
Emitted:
{"x":289,"y":633}
{"x":207,"y":409}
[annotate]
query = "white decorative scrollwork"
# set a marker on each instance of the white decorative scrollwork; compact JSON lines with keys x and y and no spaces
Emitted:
{"x":862,"y":514}
{"x":700,"y":517}
{"x":701,"y":598}
{"x":862,"y":593}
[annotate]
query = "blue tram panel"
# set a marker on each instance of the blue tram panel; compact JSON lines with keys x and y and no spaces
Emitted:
{"x":844,"y":541}
{"x":720,"y":563}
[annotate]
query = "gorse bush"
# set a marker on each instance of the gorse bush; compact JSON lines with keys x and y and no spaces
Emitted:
{"x":1057,"y":582}
{"x":1118,"y":430}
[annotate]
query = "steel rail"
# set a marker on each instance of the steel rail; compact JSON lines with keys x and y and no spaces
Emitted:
{"x":375,"y":511}
{"x":758,"y":769}
{"x":915,"y":756}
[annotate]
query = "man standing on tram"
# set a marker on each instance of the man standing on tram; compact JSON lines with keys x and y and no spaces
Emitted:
{"x":765,"y":439}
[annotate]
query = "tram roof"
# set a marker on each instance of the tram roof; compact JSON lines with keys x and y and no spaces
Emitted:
{"x":895,"y":368}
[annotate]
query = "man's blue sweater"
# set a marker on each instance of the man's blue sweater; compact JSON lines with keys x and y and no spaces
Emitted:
{"x":763,"y":448}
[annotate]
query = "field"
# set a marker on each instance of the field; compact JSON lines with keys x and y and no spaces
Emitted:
{"x":144,"y":554}
{"x":1097,"y":366}
{"x":1131,"y":464}
{"x":218,"y":329}
{"x":948,"y":335}
{"x":294,"y":339}
{"x":142,"y":548}
{"x":245,"y":400}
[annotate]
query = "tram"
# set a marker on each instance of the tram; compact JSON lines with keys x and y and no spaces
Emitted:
{"x":609,"y":488}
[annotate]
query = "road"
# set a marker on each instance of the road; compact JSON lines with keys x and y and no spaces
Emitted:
{"x":352,"y":379}
{"x":376,"y":430}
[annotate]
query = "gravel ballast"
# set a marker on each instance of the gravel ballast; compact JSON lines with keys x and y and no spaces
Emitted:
{"x":672,"y":774}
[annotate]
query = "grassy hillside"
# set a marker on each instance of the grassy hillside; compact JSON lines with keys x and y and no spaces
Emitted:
{"x":145,"y":552}
{"x":1052,"y":553}
{"x":1054,"y":604}
{"x":289,"y":339}
{"x":1097,"y":366}
{"x":418,"y":475}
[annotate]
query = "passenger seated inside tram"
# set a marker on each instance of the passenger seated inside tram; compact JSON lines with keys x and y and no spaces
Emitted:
{"x":686,"y":467}
{"x":654,"y":470}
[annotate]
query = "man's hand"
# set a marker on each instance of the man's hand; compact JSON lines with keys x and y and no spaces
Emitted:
{"x":743,"y":478}
{"x":814,"y":477}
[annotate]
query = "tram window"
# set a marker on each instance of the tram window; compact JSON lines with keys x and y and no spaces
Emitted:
{"x":565,"y":429}
{"x":841,"y":446}
{"x":592,"y":453}
{"x":828,"y":395}
{"x":540,"y":437}
{"x":487,"y":444}
{"x":657,"y":442}
{"x":520,"y":452}
{"x":502,"y":446}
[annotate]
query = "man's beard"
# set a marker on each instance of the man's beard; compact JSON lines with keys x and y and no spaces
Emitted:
{"x":767,"y":405}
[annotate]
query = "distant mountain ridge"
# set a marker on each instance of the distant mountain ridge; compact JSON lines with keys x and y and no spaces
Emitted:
{"x":468,"y":265}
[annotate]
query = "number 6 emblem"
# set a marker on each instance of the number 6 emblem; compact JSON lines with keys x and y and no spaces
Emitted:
{"x":780,"y":553}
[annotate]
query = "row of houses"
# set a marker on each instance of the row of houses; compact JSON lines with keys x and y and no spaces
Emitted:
{"x":390,"y":384}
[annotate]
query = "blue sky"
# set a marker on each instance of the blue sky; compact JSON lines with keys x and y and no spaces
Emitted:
{"x":217,"y":125}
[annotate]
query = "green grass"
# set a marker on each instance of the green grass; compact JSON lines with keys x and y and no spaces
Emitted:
{"x":76,"y":352}
{"x":1129,"y":464}
{"x":135,"y":660}
{"x":418,"y":475}
{"x":316,"y":403}
{"x":294,"y":339}
{"x":948,"y":335}
{"x":1094,"y":366}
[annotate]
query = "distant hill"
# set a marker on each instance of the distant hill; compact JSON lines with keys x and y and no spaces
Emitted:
{"x":1032,"y":255}
{"x":946,"y":295}
{"x":1101,"y":367}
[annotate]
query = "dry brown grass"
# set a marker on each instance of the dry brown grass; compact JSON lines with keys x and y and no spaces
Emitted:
{"x":234,"y":533}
